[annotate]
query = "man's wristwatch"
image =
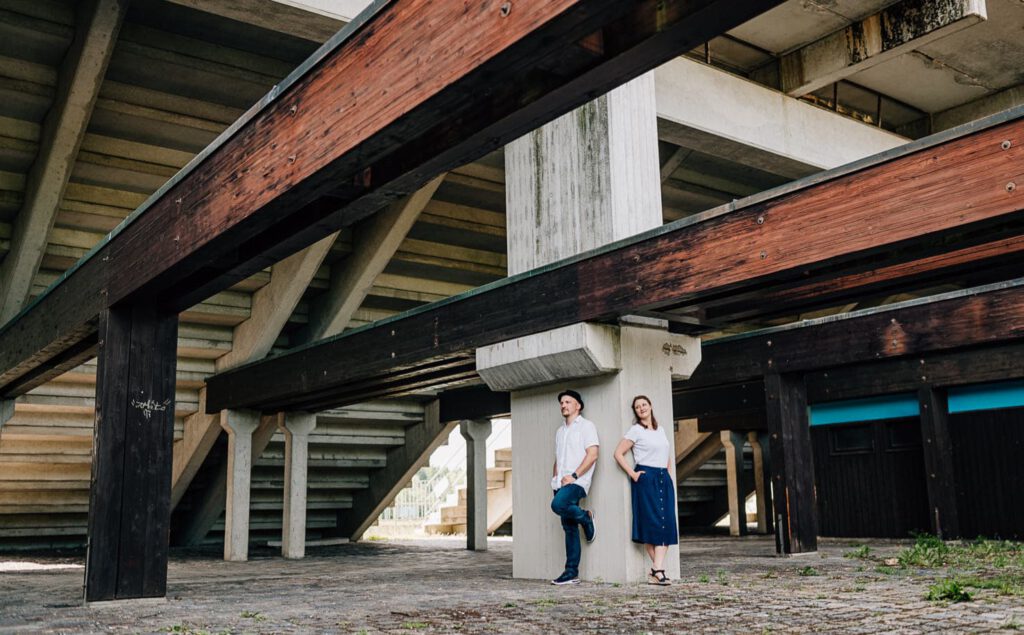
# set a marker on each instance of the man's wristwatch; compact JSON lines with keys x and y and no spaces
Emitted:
{"x":575,"y":477}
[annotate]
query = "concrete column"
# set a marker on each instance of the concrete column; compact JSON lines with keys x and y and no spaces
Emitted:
{"x":6,"y":411}
{"x":584,"y":180}
{"x":239,"y":424}
{"x":475,"y":433}
{"x":296,"y":429}
{"x":733,"y":443}
{"x":762,"y":480}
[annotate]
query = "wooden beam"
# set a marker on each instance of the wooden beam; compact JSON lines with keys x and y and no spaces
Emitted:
{"x":474,"y":402}
{"x":129,"y":506}
{"x":78,"y":84}
{"x":883,"y":211}
{"x":938,"y":462}
{"x":980,"y":316}
{"x":403,"y":462}
{"x":895,"y":30}
{"x":374,"y":242}
{"x":792,"y":464}
{"x":361,"y":124}
{"x":972,"y":265}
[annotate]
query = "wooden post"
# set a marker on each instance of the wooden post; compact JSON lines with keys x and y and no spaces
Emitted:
{"x":733,"y":442}
{"x":762,"y":480}
{"x":792,"y":464}
{"x":130,"y":500}
{"x":938,"y":462}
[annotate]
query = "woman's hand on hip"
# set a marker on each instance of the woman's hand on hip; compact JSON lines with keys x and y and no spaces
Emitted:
{"x":636,"y":475}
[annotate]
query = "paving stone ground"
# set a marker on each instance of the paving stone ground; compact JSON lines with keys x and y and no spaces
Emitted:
{"x":726,"y":586}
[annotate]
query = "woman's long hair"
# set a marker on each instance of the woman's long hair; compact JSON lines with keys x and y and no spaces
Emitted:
{"x":636,"y":419}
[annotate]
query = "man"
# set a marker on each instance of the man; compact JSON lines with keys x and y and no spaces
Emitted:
{"x":576,"y":446}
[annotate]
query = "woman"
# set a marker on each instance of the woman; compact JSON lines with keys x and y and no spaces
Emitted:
{"x":654,"y":493}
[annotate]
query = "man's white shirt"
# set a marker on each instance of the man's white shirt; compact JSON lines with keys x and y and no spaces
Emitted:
{"x":571,"y":443}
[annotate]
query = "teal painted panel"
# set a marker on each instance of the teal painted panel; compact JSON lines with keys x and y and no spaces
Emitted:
{"x":870,"y":409}
{"x":1007,"y":394}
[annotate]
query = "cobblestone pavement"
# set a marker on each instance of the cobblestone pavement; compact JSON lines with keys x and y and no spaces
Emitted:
{"x":727,"y":585}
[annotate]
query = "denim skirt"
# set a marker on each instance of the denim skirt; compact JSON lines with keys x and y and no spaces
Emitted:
{"x":654,"y":507}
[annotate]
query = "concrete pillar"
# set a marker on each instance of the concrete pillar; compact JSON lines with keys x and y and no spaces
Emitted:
{"x":586,"y":179}
{"x":6,"y":411}
{"x":296,"y":429}
{"x":735,"y":483}
{"x":762,"y":480}
{"x":475,"y":433}
{"x":239,"y":424}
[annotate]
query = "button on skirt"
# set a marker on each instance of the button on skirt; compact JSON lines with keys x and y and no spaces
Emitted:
{"x":654,"y":507}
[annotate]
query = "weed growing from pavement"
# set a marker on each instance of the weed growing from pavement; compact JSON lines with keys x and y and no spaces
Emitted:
{"x":948,"y":590}
{"x":1012,"y":625}
{"x":722,"y":578}
{"x":703,"y":578}
{"x":411,"y":626}
{"x":253,"y":615}
{"x":862,"y":553}
{"x":808,"y":571}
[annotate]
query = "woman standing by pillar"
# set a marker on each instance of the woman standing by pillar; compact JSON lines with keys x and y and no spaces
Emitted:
{"x":653,"y":491}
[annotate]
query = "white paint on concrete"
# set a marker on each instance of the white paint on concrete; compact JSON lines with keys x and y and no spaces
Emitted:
{"x":296,"y":429}
{"x":712,"y":111}
{"x":239,"y":424}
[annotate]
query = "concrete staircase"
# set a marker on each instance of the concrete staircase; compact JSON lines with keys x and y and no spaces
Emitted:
{"x":499,"y":500}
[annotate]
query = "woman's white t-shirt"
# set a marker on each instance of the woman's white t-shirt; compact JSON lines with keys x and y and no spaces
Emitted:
{"x":650,"y":447}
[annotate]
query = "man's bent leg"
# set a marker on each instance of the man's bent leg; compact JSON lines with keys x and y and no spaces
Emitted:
{"x":566,"y":505}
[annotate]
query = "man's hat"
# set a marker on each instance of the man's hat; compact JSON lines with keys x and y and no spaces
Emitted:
{"x":572,"y":393}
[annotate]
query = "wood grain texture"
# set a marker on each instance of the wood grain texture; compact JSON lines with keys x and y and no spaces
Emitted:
{"x":420,"y":88}
{"x":792,"y":464}
{"x":896,"y":211}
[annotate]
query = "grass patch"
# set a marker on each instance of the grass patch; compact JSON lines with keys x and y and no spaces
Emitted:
{"x":930,"y":552}
{"x":703,"y":578}
{"x":253,"y":615}
{"x":808,"y":571}
{"x":544,"y":602}
{"x":722,"y":578}
{"x":948,"y":590}
{"x":412,"y":626}
{"x":886,"y":570}
{"x":1001,"y":584}
{"x":861,"y":553}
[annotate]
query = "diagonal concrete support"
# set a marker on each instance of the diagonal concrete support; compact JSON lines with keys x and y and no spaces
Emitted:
{"x":475,"y":432}
{"x":374,"y":243}
{"x":240,"y":426}
{"x":296,"y":428}
{"x":78,"y":85}
{"x":272,"y":304}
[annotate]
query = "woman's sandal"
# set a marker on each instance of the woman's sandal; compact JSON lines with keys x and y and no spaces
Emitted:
{"x":657,"y":576}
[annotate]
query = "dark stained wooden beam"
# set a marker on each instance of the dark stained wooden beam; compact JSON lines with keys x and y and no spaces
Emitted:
{"x":981,"y":316}
{"x":902,"y":207}
{"x":130,"y":497}
{"x":408,"y":90}
{"x":940,"y":474}
{"x":474,"y":402}
{"x":792,"y":464}
{"x":968,"y":266}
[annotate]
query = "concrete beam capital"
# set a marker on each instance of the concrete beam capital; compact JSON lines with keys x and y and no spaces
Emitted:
{"x":570,"y":352}
{"x":239,"y":421}
{"x":475,"y":430}
{"x":298,"y":423}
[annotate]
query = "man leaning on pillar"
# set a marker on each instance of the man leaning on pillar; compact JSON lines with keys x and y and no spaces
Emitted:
{"x":576,"y":446}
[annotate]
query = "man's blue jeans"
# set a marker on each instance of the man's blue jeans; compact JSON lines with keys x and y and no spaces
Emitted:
{"x":567,"y":505}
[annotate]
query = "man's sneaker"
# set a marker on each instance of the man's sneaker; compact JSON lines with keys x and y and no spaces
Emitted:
{"x":566,"y":578}
{"x":589,"y":529}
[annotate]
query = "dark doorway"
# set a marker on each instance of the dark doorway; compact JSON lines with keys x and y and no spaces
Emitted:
{"x":870,"y":479}
{"x":989,"y":467}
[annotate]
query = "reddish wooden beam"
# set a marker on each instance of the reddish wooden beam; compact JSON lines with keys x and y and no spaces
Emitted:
{"x":969,"y":266}
{"x":983,"y":316}
{"x":908,"y":204}
{"x":392,"y":101}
